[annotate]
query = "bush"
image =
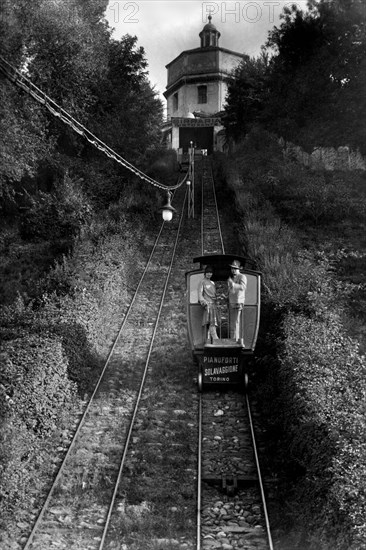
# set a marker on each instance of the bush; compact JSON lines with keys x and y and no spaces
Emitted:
{"x":162,"y":165}
{"x":19,"y":454}
{"x":57,"y":216}
{"x":36,"y":399}
{"x":68,"y":328}
{"x":314,"y":198}
{"x":34,"y":375}
{"x":322,"y":381}
{"x":301,"y":196}
{"x":314,"y":390}
{"x":293,"y":278}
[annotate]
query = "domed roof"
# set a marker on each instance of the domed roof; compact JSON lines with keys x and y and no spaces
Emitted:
{"x":209,"y":26}
{"x":209,"y":30}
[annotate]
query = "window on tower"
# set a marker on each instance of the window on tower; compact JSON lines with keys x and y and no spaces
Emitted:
{"x":175,"y":101}
{"x":202,"y":94}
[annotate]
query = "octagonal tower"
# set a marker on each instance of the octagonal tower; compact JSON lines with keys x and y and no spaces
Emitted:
{"x":197,"y":83}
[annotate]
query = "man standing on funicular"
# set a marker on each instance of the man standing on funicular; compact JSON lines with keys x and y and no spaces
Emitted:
{"x":237,"y":284}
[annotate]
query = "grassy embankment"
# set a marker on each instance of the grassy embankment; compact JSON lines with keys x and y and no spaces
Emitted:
{"x":57,"y":324}
{"x":307,"y":232}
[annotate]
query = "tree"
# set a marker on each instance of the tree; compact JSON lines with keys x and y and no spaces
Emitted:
{"x":127,"y":114}
{"x":23,"y":139}
{"x":246,"y":96}
{"x":312,"y":88}
{"x":316,"y":77}
{"x":46,"y":42}
{"x":66,"y":49}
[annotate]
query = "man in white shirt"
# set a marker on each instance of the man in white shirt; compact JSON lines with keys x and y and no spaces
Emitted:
{"x":237,"y":284}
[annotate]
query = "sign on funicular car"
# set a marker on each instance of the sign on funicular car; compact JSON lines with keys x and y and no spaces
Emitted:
{"x":221,"y":366}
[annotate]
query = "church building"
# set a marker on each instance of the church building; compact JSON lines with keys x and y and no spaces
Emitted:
{"x":196,"y":93}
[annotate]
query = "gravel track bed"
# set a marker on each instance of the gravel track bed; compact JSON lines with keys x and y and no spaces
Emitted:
{"x":156,"y":501}
{"x":236,"y":521}
{"x":227,"y":522}
{"x":211,"y":225}
{"x":76,"y":513}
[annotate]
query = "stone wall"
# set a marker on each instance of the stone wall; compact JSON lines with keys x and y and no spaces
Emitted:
{"x":328,"y":158}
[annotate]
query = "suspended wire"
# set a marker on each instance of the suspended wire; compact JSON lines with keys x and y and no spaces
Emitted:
{"x":20,"y":80}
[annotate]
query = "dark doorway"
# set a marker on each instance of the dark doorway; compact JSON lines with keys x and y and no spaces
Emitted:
{"x":202,"y":138}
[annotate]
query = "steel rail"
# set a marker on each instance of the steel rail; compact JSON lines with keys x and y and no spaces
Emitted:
{"x":209,"y":176}
{"x":199,"y":451}
{"x":217,"y":210}
{"x":137,"y":403}
{"x":265,"y":511}
{"x":91,"y":400}
{"x":202,"y":217}
{"x":200,"y":416}
{"x":199,"y":475}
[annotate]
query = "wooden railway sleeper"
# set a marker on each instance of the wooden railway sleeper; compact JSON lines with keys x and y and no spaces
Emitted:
{"x":230,"y":482}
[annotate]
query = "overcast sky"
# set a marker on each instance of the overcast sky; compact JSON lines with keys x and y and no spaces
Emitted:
{"x":166,"y":28}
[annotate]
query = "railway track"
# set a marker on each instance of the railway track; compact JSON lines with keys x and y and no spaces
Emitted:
{"x":211,"y":235}
{"x":75,"y":515}
{"x":231,"y":505}
{"x":125,"y":435}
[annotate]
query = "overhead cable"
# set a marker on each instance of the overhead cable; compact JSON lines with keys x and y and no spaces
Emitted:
{"x":20,"y":80}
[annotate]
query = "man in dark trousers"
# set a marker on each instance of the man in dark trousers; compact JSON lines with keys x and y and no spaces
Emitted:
{"x":237,"y":284}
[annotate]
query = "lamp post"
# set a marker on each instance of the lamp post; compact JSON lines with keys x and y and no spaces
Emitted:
{"x":167,"y":210}
{"x":190,"y":182}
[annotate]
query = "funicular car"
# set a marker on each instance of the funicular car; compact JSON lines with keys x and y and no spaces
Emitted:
{"x":222,"y":361}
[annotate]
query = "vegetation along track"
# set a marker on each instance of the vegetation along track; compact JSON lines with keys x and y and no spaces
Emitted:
{"x":231,"y":511}
{"x":79,"y":506}
{"x":144,"y":496}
